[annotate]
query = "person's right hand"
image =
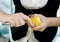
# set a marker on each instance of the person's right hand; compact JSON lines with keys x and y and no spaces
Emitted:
{"x":17,"y":19}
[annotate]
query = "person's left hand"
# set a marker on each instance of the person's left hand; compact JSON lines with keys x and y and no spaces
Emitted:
{"x":43,"y":25}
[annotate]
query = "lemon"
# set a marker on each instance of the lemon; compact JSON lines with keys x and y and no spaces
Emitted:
{"x":36,"y":20}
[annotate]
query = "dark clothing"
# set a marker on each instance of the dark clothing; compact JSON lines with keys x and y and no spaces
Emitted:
{"x":49,"y":10}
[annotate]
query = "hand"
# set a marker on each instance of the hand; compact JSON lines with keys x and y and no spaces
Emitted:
{"x":16,"y":20}
{"x":43,"y":25}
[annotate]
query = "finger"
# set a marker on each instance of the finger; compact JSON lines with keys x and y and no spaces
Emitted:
{"x":41,"y":30}
{"x":40,"y":16}
{"x":27,"y":19}
{"x":30,"y":23}
{"x":17,"y":24}
{"x":40,"y":27}
{"x":44,"y":20}
{"x":21,"y":21}
{"x":11,"y":22}
{"x":18,"y":20}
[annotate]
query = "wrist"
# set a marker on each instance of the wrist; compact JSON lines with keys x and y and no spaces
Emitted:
{"x":4,"y":16}
{"x":53,"y":21}
{"x":49,"y":22}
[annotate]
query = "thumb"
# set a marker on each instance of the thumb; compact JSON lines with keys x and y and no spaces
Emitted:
{"x":29,"y":22}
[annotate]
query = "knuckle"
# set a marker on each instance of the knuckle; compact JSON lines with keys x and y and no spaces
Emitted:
{"x":41,"y":30}
{"x":36,"y":29}
{"x":35,"y":14}
{"x":17,"y":25}
{"x":17,"y":14}
{"x":21,"y":13}
{"x":11,"y":25}
{"x":23,"y":23}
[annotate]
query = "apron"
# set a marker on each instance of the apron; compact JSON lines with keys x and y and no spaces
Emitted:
{"x":23,"y":32}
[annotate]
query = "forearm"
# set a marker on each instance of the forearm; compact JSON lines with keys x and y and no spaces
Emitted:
{"x":54,"y":21}
{"x":3,"y":15}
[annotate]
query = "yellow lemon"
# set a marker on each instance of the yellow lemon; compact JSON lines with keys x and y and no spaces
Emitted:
{"x":36,"y":20}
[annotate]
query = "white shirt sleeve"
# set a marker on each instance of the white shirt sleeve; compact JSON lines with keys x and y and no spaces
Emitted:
{"x":5,"y":5}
